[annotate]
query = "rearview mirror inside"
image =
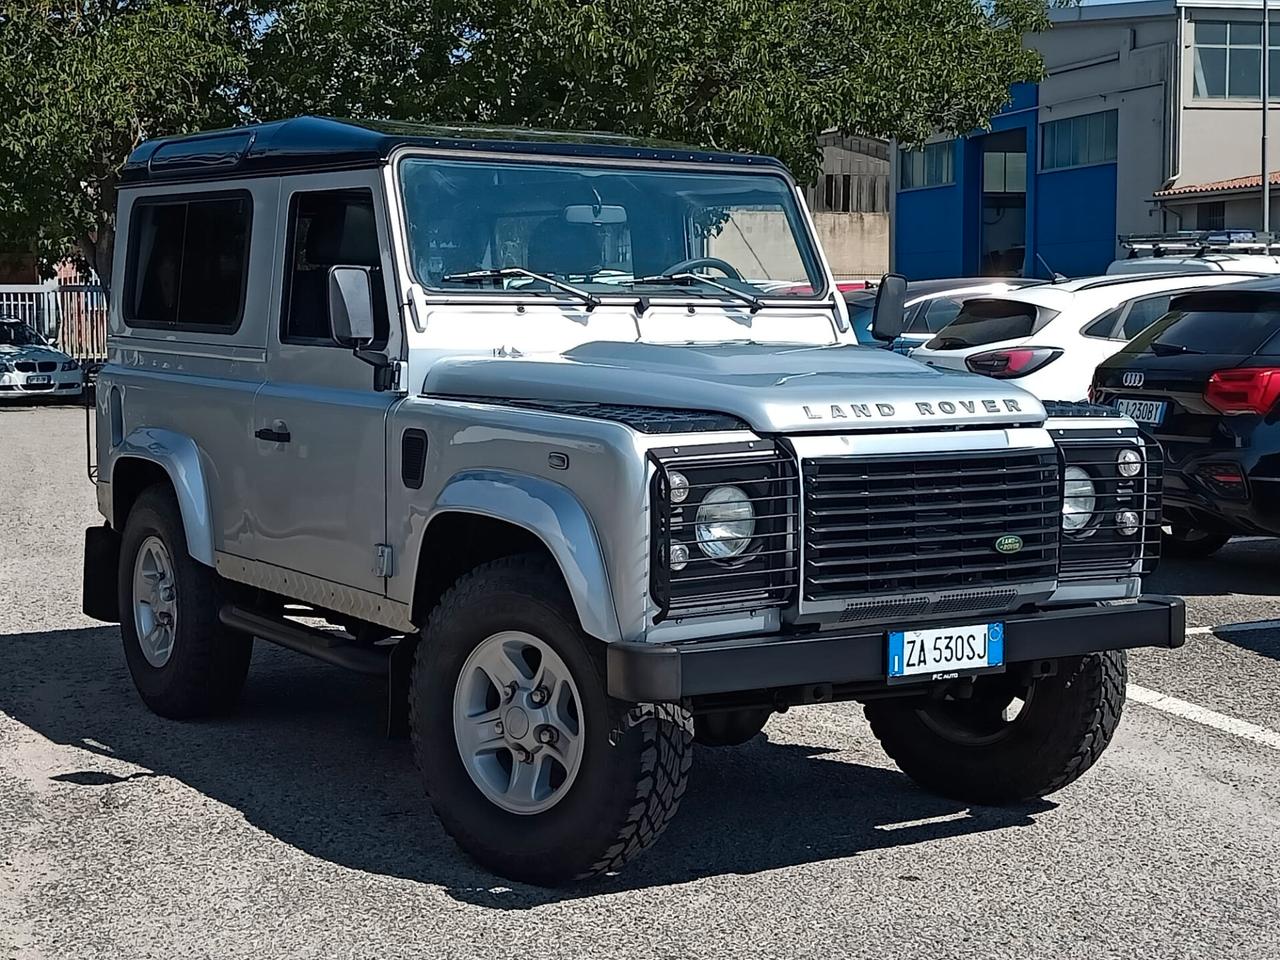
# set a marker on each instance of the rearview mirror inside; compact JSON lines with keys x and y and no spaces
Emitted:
{"x":595,"y":213}
{"x":889,"y":316}
{"x":351,"y":305}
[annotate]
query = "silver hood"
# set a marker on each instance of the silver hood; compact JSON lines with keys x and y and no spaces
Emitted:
{"x":775,"y":389}
{"x":13,"y":353}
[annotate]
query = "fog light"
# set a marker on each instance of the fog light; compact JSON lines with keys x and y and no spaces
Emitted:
{"x":1129,"y":462}
{"x":679,"y":556}
{"x":678,"y":485}
{"x":1128,"y":522}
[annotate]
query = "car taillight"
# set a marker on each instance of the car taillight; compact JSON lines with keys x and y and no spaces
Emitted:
{"x":1243,"y":390}
{"x":1011,"y":362}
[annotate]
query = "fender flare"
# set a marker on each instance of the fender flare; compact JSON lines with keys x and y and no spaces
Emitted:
{"x":179,"y":456}
{"x":555,"y":515}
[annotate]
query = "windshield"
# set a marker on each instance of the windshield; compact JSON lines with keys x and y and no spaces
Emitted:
{"x":15,"y":333}
{"x":605,"y":230}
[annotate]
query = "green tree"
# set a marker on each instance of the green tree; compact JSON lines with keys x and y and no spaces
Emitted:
{"x":84,"y":81}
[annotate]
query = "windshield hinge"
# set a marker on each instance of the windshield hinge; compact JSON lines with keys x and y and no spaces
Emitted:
{"x":383,"y":560}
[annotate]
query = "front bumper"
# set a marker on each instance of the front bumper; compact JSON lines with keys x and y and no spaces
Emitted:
{"x":641,"y":672}
{"x":62,"y":383}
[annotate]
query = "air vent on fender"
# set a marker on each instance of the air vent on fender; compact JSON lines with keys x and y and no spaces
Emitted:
{"x":413,"y":458}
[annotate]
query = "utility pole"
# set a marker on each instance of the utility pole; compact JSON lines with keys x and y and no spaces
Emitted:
{"x":1266,"y":104}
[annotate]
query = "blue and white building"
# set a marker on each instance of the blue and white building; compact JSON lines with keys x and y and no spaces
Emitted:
{"x":1145,"y":109}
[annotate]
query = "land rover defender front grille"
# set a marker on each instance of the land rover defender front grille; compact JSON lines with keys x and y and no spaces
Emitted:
{"x":929,"y":524}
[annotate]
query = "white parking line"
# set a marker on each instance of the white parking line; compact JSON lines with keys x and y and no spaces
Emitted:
{"x":1234,"y":627}
{"x":1203,"y":715}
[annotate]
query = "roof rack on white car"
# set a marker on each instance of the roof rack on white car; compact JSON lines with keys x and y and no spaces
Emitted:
{"x":1198,"y":243}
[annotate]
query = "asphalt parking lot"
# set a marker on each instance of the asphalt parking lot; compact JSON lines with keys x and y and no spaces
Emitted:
{"x":294,"y":829}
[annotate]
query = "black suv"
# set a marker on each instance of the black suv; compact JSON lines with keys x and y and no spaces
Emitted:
{"x":1205,"y":380}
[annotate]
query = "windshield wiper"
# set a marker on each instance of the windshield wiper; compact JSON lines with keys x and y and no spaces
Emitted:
{"x":1170,"y":349}
{"x":683,"y":279}
{"x":478,"y":276}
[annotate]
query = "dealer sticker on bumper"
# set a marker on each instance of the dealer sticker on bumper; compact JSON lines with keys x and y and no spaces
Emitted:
{"x":945,"y":650}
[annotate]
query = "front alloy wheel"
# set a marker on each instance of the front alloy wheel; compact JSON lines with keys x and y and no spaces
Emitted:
{"x":517,"y":720}
{"x":531,"y":766}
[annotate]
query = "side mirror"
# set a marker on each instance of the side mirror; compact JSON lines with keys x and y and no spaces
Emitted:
{"x":889,"y":316}
{"x":351,"y":305}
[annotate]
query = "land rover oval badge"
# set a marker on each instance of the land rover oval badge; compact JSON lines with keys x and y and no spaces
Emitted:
{"x":1009,"y":543}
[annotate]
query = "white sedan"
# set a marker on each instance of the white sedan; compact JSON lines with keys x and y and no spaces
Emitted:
{"x":1049,"y":338}
{"x":30,"y":367}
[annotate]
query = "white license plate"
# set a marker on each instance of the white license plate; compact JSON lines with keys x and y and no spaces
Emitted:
{"x":945,"y":650}
{"x":1143,"y":411}
{"x":36,"y":381}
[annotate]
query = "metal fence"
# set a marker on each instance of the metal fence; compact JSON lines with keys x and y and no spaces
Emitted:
{"x":72,"y":316}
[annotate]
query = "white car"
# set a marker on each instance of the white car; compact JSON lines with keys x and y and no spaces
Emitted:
{"x":31,"y":367}
{"x":1051,"y":337}
{"x":1207,"y":263}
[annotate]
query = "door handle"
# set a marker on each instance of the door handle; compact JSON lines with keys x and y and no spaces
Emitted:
{"x":278,"y":432}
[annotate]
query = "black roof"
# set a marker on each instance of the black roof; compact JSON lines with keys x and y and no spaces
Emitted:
{"x":324,"y":143}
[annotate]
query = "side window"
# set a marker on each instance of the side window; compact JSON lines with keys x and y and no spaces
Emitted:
{"x":913,"y":321}
{"x":1105,"y":325}
{"x":1143,"y":314}
{"x":326,"y":229}
{"x":188,"y":263}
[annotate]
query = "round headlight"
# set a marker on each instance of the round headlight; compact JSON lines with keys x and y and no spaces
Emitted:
{"x":725,"y":523}
{"x":678,"y":487}
{"x":1129,"y":462}
{"x":679,"y":556}
{"x":1078,"y":501}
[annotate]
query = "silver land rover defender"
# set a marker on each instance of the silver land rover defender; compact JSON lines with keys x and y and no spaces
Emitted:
{"x":567,"y":436}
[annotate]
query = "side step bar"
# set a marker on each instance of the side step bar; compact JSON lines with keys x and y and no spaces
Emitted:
{"x":314,"y":643}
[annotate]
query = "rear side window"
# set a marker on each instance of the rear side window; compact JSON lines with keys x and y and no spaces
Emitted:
{"x":1105,"y":325}
{"x":1143,"y":314}
{"x":990,"y":321}
{"x":938,"y":313}
{"x":1234,"y":325}
{"x":188,"y":262}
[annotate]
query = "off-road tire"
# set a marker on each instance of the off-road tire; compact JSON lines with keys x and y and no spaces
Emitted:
{"x":729,"y":728}
{"x":1202,"y":544}
{"x":635,"y":761}
{"x":1063,"y":729}
{"x":206,"y":671}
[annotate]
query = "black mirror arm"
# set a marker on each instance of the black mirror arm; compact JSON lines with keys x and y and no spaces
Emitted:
{"x":384,"y":368}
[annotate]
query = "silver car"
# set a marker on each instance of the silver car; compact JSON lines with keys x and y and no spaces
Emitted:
{"x":569,"y":439}
{"x":31,"y":367}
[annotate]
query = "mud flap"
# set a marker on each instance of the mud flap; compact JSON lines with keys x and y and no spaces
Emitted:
{"x":399,"y":672}
{"x":100,"y":599}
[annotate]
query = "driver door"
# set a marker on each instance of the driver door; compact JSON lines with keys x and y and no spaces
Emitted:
{"x":319,"y":487}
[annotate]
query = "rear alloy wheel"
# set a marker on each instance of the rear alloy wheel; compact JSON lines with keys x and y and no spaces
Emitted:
{"x":1191,"y":542}
{"x":183,"y":661}
{"x":1011,"y":740}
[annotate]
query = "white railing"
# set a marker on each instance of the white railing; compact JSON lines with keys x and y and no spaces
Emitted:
{"x":73,"y":316}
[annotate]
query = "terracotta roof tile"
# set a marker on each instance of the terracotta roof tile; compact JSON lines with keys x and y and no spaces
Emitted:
{"x":1217,"y":186}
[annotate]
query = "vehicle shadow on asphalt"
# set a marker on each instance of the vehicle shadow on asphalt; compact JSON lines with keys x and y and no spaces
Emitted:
{"x":304,"y":760}
{"x":1242,"y":567}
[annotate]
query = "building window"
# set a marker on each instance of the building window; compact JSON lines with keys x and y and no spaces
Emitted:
{"x":1228,"y":60}
{"x":1211,"y":216}
{"x":1077,"y":141}
{"x":934,"y":166}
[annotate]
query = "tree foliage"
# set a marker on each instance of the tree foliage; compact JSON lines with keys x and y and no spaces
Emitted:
{"x":83,"y":81}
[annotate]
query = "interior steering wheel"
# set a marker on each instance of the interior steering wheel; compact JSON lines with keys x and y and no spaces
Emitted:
{"x":685,"y":266}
